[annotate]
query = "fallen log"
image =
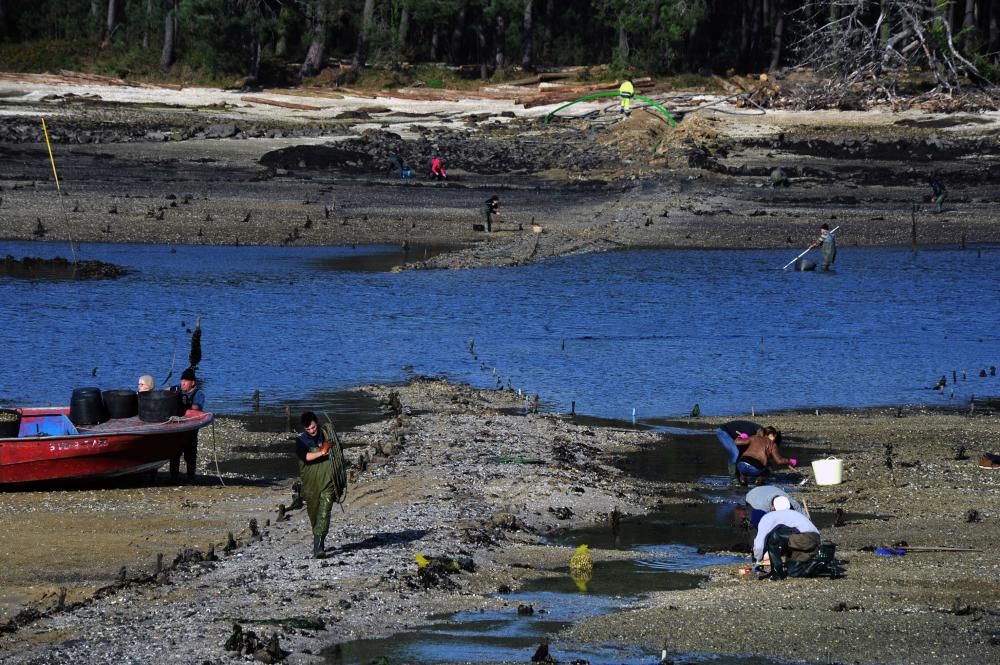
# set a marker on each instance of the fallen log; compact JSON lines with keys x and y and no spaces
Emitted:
{"x":539,"y":78}
{"x":569,"y":94}
{"x":284,"y":105}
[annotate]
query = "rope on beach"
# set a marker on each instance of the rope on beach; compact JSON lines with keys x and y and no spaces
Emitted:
{"x":215,"y":456}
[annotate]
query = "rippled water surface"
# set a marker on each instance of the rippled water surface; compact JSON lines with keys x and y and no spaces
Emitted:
{"x":654,"y":331}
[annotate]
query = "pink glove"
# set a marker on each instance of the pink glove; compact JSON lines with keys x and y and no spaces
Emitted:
{"x":792,"y":461}
{"x":744,"y":435}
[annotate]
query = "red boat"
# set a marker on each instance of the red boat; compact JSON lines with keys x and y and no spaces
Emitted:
{"x":49,"y":447}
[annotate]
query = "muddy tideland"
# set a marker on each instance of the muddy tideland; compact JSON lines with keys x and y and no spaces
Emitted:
{"x":144,"y":164}
{"x":126,"y":572}
{"x":477,"y":475}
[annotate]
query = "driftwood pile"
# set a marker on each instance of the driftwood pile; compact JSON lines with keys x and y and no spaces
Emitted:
{"x":800,"y":95}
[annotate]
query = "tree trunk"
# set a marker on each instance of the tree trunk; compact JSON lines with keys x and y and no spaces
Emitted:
{"x":361,"y":50}
{"x":744,"y":32}
{"x":404,"y":28}
{"x":110,"y":25}
{"x":253,"y":76}
{"x":756,"y":20}
{"x":435,"y":43}
{"x":994,"y":39}
{"x":484,"y":66}
{"x":779,"y":27}
{"x":313,"y":62}
{"x":527,"y":40}
{"x":455,"y":48}
{"x":499,"y":43}
{"x":281,"y":42}
{"x":885,"y":33}
{"x":3,"y":19}
{"x":969,"y":26}
{"x":167,"y":54}
{"x":147,"y":20}
{"x":548,"y":23}
{"x":623,"y":44}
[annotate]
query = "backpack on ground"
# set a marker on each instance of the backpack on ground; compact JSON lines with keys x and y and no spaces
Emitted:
{"x":822,"y":564}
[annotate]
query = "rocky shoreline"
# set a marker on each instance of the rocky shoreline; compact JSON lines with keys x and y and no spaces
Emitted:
{"x":435,"y":482}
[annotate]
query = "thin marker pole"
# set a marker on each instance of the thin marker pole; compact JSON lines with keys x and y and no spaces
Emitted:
{"x":55,"y":173}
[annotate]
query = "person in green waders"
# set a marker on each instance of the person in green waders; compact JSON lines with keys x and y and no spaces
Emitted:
{"x":828,"y":243}
{"x":313,"y":447}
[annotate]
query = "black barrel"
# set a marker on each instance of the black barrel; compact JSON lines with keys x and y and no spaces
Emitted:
{"x":86,"y":407}
{"x":121,"y":403}
{"x":10,"y":423}
{"x":157,"y":406}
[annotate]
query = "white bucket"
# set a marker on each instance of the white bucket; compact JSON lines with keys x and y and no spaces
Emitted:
{"x":828,"y":471}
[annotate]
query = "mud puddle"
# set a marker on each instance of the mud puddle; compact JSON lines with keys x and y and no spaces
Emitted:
{"x":683,"y":458}
{"x":529,"y":618}
{"x":542,"y":608}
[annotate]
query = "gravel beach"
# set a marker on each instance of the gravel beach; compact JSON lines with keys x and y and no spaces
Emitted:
{"x":141,"y":573}
{"x":436,"y":483}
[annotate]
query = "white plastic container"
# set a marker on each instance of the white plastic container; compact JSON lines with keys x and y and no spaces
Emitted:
{"x":828,"y":471}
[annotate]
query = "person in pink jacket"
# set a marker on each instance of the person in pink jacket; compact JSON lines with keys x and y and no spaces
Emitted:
{"x":437,"y":169}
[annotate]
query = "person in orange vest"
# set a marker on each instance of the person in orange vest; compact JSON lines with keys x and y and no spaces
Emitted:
{"x":437,"y":170}
{"x":626,"y":92}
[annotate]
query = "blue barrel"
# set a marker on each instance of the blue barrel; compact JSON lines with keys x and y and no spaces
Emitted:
{"x":86,"y":407}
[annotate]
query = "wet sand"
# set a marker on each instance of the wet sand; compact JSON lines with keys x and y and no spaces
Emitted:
{"x":437,"y":484}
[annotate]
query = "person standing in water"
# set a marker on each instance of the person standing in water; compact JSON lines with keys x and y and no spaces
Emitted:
{"x":828,"y":243}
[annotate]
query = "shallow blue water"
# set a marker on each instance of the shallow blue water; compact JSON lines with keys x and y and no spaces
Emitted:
{"x":655,"y":331}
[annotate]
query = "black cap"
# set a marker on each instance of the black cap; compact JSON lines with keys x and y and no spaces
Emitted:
{"x":188,"y":375}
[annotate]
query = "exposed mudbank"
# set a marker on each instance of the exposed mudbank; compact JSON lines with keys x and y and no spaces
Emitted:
{"x":31,"y":267}
{"x":506,"y":152}
{"x":591,"y":182}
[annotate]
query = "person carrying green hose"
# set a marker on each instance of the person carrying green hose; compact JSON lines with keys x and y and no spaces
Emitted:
{"x":626,"y":92}
{"x":312,"y":447}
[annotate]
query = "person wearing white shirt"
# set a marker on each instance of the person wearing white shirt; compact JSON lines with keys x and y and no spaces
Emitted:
{"x":785,"y":531}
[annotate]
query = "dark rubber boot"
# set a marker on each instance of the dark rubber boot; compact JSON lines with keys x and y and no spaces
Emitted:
{"x":734,"y":475}
{"x":777,"y":544}
{"x":318,"y":552}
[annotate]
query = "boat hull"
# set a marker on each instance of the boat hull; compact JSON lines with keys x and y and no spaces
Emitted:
{"x":114,"y":448}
